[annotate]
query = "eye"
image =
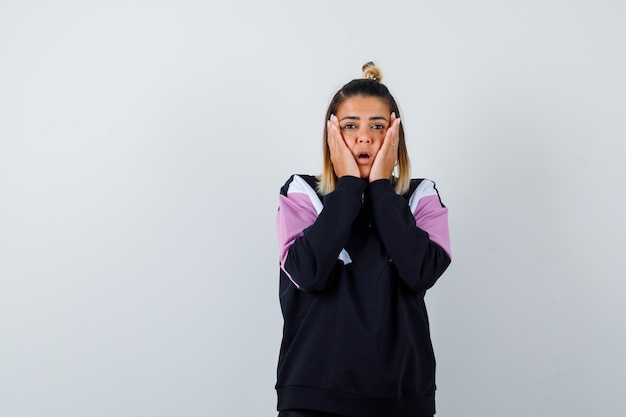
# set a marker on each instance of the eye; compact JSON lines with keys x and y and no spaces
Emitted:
{"x":349,"y":126}
{"x":378,"y":127}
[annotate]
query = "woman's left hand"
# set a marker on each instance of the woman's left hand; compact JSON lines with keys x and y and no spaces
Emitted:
{"x":388,"y":154}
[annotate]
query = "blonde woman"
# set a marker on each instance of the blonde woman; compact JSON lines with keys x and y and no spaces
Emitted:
{"x":359,"y":247}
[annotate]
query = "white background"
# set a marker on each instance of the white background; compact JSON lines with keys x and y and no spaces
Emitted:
{"x":143,"y":145}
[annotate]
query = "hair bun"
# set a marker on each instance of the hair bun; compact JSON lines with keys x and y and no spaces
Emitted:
{"x":372,"y":72}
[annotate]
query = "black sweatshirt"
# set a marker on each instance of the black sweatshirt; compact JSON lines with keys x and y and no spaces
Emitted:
{"x":355,"y":266}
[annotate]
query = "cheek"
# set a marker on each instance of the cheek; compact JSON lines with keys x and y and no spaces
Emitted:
{"x":380,"y":137}
{"x":379,"y":145}
{"x":350,"y":139}
{"x":350,"y":135}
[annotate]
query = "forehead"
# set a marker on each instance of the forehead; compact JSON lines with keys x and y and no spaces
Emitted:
{"x":367,"y":106}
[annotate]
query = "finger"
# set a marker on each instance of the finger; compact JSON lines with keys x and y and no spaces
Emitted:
{"x":340,"y":155}
{"x":336,"y":142}
{"x":390,"y":137}
{"x":332,"y":125}
{"x":390,"y":132}
{"x":335,"y":132}
{"x":337,"y":128}
{"x":332,"y":131}
{"x":393,"y":135}
{"x":396,"y":122}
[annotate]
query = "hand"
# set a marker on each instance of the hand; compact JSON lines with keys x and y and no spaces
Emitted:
{"x":340,"y":155}
{"x":387,"y":156}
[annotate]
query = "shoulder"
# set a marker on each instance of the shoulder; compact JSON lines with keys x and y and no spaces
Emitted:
{"x":421,"y":188}
{"x":301,"y":190}
{"x":299,"y":183}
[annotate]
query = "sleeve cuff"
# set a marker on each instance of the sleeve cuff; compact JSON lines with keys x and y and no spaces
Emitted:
{"x":379,"y":188}
{"x":353,"y":185}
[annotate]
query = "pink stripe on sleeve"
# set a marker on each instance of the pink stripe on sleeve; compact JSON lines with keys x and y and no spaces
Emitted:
{"x":431,"y":217}
{"x":295,"y":214}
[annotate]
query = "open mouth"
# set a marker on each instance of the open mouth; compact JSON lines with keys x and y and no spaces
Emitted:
{"x":363,"y":158}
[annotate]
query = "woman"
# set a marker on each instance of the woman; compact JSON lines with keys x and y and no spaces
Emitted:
{"x":359,"y":247}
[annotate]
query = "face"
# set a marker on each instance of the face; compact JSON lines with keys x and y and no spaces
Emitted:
{"x":364,"y":122}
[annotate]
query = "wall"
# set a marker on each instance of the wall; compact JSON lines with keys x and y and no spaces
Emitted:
{"x":143,"y":144}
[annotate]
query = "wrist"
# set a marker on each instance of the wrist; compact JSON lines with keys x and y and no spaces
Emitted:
{"x":351,"y":184}
{"x":373,"y":178}
{"x":380,"y":187}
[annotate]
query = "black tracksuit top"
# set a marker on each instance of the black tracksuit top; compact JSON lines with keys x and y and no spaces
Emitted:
{"x":355,"y":266}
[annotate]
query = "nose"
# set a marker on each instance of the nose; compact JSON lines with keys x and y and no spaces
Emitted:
{"x":364,"y":137}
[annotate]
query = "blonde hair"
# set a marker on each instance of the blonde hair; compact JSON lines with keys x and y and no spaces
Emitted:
{"x":368,"y":86}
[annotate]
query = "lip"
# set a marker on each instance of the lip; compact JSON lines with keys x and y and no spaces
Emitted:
{"x":363,"y":157}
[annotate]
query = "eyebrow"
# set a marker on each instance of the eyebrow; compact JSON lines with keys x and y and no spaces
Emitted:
{"x":358,"y":118}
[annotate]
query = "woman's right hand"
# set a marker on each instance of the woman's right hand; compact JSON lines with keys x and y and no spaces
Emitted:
{"x":340,"y":155}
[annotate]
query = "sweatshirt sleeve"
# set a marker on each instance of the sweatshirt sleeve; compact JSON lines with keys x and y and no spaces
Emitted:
{"x":312,"y":236}
{"x":415,"y":235}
